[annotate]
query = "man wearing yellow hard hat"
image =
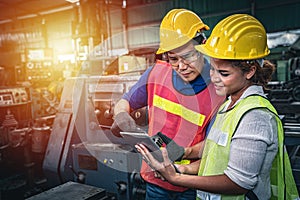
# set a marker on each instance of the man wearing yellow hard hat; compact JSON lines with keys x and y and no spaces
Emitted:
{"x":179,"y":97}
{"x":244,"y":155}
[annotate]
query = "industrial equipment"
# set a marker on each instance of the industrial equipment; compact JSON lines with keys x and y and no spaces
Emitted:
{"x":39,"y":65}
{"x":285,"y":93}
{"x":15,"y":136}
{"x":81,"y":146}
{"x":15,"y":113}
{"x":72,"y":190}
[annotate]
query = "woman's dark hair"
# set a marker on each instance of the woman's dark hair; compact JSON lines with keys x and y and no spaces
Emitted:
{"x":263,"y":73}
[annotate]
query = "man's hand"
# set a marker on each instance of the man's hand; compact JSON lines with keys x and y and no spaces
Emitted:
{"x":123,"y":122}
{"x":175,"y":151}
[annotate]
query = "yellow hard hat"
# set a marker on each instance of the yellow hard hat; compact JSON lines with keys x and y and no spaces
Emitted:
{"x":177,"y":28}
{"x":237,"y":37}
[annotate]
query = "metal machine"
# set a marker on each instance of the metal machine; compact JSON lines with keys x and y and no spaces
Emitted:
{"x":15,"y":116}
{"x":15,"y":138}
{"x":81,"y":146}
{"x":285,"y":96}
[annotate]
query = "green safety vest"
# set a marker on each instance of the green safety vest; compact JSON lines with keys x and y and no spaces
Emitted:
{"x":215,"y":157}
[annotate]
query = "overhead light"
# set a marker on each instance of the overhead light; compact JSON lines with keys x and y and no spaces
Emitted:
{"x":56,"y":10}
{"x":27,"y":16}
{"x":124,"y":4}
{"x":5,"y":21}
{"x":73,"y":1}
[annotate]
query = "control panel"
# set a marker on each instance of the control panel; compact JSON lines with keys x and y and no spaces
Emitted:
{"x":39,"y":65}
{"x":15,"y":101}
{"x":13,"y":96}
{"x":39,"y":70}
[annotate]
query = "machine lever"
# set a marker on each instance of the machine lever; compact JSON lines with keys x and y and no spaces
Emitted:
{"x":80,"y":175}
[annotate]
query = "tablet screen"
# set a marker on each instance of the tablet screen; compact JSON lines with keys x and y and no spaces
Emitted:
{"x":133,"y":138}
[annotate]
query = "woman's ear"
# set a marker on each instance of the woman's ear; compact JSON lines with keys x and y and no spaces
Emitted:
{"x":251,"y":72}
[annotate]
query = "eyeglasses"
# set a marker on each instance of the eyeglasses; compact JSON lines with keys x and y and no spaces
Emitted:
{"x":186,"y":59}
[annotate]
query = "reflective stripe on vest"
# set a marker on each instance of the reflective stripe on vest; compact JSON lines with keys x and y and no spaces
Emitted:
{"x":177,"y":109}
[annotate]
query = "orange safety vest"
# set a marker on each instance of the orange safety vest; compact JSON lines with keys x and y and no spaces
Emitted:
{"x":184,"y":118}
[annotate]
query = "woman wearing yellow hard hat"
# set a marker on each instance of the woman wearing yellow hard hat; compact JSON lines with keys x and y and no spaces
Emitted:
{"x":243,"y":155}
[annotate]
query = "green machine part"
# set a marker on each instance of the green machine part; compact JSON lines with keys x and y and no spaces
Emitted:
{"x":283,"y":70}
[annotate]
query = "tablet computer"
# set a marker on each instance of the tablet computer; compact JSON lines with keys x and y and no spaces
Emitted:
{"x":152,"y":143}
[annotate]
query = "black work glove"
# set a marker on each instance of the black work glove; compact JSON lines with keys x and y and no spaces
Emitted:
{"x":123,"y":122}
{"x":175,"y":151}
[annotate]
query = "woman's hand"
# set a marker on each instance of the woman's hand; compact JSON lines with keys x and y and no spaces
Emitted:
{"x":165,"y":168}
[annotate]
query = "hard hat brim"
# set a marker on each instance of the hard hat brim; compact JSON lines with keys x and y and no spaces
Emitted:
{"x":160,"y":51}
{"x":205,"y":51}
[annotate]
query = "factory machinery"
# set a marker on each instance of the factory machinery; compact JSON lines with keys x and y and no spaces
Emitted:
{"x":74,"y":149}
{"x":73,"y":145}
{"x":23,"y":142}
{"x":81,"y":147}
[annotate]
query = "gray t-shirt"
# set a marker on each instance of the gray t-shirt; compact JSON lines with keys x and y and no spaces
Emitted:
{"x":253,"y":148}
